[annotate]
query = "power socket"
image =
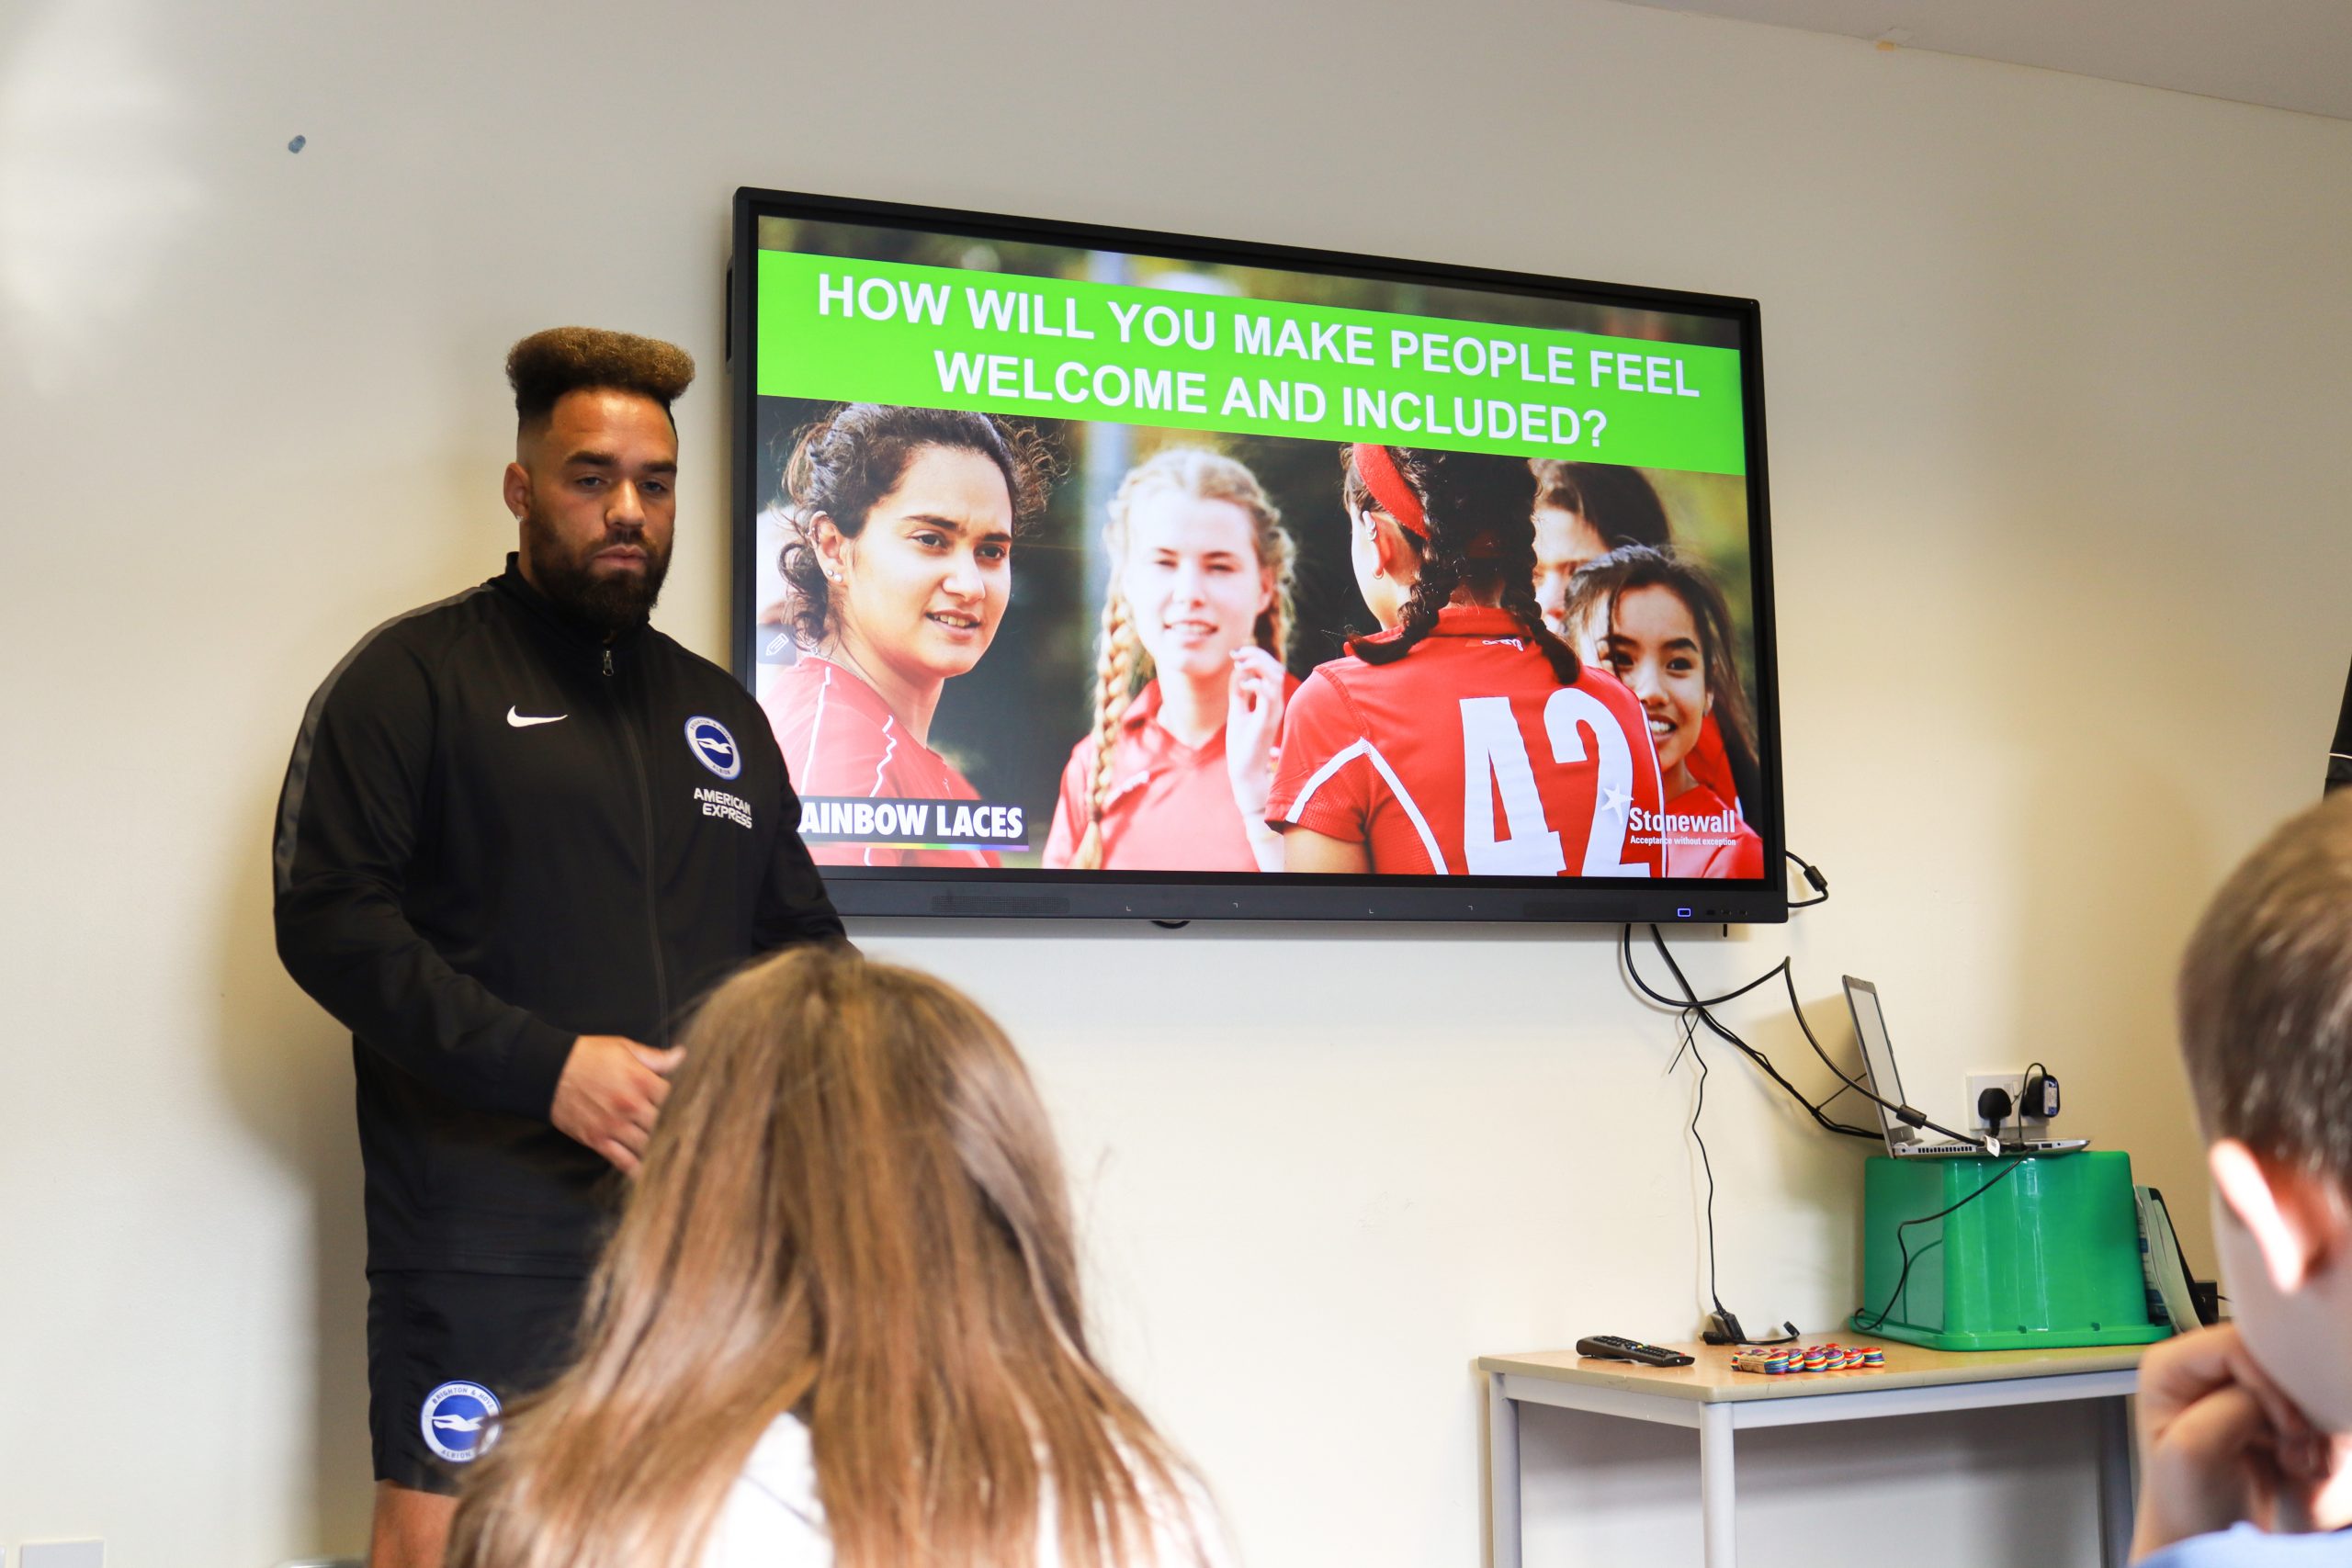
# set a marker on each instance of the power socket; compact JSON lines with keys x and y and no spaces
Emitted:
{"x":2011,"y":1083}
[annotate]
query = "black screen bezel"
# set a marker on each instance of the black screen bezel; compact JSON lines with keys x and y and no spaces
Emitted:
{"x":1188,"y":895}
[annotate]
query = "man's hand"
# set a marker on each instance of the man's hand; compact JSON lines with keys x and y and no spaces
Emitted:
{"x":2220,"y":1442}
{"x":610,"y":1092}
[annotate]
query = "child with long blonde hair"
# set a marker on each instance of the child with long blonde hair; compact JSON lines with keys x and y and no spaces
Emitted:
{"x":1189,"y":683}
{"x":840,"y":1321}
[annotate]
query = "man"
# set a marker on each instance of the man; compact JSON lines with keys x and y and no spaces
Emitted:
{"x":521,"y":832}
{"x":2245,"y":1428}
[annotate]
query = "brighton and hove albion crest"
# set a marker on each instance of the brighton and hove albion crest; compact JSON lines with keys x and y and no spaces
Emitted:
{"x":459,"y":1421}
{"x":713,"y":746}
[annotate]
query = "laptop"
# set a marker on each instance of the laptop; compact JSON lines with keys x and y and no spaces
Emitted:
{"x":1879,"y":1073}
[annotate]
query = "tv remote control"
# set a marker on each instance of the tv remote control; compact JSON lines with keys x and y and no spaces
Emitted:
{"x":1612,"y":1347}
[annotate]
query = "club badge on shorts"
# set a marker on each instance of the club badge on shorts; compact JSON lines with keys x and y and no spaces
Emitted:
{"x":457,"y":1421}
{"x":713,"y":747}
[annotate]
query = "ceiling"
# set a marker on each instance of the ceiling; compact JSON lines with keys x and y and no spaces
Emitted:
{"x":2289,"y":54}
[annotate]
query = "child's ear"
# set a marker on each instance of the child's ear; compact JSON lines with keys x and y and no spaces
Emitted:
{"x":2297,"y":1218}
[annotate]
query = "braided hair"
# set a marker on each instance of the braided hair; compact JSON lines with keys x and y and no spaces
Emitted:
{"x":1122,"y":665}
{"x":856,"y":455}
{"x":1477,"y":505}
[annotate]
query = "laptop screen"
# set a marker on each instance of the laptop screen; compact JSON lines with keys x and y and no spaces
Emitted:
{"x":1878,"y":1054}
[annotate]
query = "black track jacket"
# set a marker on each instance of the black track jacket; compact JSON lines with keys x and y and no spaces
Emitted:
{"x":498,"y":833}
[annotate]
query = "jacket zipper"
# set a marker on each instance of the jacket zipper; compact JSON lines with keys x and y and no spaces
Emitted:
{"x":653,"y":917}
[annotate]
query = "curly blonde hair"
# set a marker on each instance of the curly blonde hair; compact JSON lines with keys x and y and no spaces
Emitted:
{"x":1122,"y":667}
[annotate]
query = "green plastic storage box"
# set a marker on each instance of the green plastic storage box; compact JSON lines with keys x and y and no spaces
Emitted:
{"x":2049,"y":1256}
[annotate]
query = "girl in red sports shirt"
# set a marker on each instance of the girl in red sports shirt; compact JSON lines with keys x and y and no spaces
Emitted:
{"x":1175,"y":775}
{"x":1466,"y":736}
{"x":899,"y":560}
{"x":1661,"y":625}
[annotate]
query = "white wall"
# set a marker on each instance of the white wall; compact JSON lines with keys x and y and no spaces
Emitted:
{"x":2057,"y":371}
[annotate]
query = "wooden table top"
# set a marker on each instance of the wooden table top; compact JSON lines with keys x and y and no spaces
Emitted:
{"x":1710,"y":1380}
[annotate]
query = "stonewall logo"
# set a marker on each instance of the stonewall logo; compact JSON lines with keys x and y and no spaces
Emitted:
{"x":914,"y":824}
{"x":1683,"y":827}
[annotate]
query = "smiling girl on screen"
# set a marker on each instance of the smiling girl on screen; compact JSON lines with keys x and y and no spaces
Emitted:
{"x":899,"y":556}
{"x":1174,"y":777}
{"x":1465,"y":735}
{"x":1661,"y":625}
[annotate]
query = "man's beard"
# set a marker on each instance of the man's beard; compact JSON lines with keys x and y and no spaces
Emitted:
{"x":611,"y":603}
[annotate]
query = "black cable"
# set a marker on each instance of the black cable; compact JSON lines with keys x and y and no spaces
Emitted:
{"x":1903,"y":1112}
{"x":1788,"y":976}
{"x":1812,"y":874}
{"x":1796,"y":1007}
{"x":1726,"y":1033}
{"x":1626,"y":938}
{"x":1692,"y":1011}
{"x":1903,"y":1247}
{"x":1692,"y":1000}
{"x":1691,"y":1043}
{"x":2025,"y":1093}
{"x":1722,"y":1315}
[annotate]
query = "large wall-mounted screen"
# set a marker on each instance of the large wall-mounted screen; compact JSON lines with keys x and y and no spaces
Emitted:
{"x":1097,"y":573}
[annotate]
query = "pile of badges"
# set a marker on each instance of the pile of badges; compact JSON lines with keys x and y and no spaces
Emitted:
{"x":1807,"y":1359}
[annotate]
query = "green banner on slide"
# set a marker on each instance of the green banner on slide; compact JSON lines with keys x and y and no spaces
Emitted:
{"x":854,"y":331}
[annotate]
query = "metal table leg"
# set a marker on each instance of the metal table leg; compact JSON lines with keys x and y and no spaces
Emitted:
{"x":1502,"y":1475}
{"x":2114,"y":1419}
{"x":1717,"y":1495}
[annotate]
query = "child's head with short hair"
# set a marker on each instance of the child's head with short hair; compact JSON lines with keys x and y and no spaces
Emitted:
{"x":2266,"y":1028}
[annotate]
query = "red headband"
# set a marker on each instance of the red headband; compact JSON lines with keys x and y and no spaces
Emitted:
{"x":1380,"y":475}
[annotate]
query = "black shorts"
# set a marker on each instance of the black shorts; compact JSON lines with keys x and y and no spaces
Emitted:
{"x":447,"y":1352}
